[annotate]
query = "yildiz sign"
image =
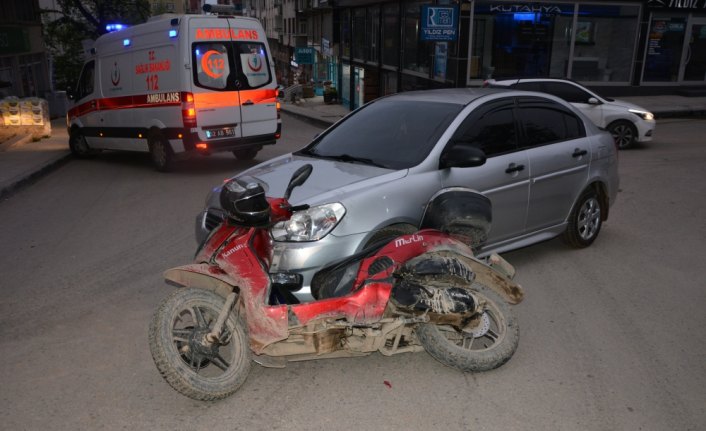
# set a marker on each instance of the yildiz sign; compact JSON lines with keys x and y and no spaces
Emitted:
{"x":677,"y":4}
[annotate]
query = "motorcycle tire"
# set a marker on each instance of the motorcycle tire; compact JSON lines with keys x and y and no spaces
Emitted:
{"x":200,"y":372}
{"x":481,"y":350}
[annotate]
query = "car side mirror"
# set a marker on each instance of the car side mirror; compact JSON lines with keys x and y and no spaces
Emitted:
{"x":298,"y":178}
{"x":462,"y":156}
{"x":593,"y":101}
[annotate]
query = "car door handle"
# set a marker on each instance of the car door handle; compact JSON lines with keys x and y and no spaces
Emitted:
{"x":248,"y":103}
{"x":514,"y":168}
{"x":579,"y":153}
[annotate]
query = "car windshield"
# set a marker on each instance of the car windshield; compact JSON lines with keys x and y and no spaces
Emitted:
{"x":394,"y":134}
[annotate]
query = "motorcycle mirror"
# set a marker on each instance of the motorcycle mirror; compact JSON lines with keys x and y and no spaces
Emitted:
{"x":298,"y":178}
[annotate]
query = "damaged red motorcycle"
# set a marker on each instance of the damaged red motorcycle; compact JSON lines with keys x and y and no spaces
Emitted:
{"x":424,"y":291}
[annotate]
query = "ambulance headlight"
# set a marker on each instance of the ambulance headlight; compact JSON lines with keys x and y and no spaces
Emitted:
{"x":309,"y":225}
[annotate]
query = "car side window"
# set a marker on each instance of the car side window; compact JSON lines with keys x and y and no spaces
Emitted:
{"x":544,"y":122}
{"x":568,"y":92}
{"x":86,"y":81}
{"x":491,"y":127}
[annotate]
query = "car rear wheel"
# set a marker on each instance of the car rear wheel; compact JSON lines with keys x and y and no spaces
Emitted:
{"x":624,"y":133}
{"x":585,"y":220}
{"x":79,"y":146}
{"x":246,"y":153}
{"x":161,"y":153}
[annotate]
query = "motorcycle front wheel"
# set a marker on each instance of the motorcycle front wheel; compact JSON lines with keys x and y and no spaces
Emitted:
{"x":487,"y":343}
{"x":195,"y":368}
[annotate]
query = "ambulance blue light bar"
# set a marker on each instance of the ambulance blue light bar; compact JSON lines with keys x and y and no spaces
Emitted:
{"x":126,"y":42}
{"x":115,"y":27}
{"x":173,"y":33}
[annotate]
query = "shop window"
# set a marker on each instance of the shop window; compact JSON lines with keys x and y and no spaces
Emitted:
{"x":664,"y":49}
{"x":604,"y":42}
{"x":417,"y":55}
{"x":346,"y":33}
{"x":390,"y":35}
{"x":520,"y":39}
{"x":373,"y":32}
{"x":359,"y":34}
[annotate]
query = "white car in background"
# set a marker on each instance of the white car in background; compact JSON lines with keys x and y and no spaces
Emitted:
{"x":627,"y":122}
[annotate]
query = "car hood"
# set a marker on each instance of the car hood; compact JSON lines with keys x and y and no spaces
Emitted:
{"x":617,"y":103}
{"x":329,"y":182}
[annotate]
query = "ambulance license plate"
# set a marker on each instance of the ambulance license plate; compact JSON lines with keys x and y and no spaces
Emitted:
{"x":223,"y":132}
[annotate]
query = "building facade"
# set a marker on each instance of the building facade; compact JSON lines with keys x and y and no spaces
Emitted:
{"x":385,"y":47}
{"x":23,"y":59}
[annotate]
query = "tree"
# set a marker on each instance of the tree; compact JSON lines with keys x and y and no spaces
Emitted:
{"x":77,"y":20}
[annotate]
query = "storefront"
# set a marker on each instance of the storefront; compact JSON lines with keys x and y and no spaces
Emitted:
{"x":381,"y":51}
{"x":601,"y":43}
{"x":589,"y":42}
{"x":675,"y":52}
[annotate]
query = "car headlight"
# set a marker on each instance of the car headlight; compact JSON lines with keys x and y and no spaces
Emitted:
{"x":309,"y":225}
{"x":645,"y":115}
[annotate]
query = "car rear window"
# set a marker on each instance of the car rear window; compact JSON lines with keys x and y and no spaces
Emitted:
{"x":228,"y":66}
{"x":396,"y":134}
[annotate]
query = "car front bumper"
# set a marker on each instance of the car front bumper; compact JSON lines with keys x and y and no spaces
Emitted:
{"x":645,"y":130}
{"x":303,"y":258}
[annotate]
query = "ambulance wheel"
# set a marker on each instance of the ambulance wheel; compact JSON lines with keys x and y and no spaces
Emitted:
{"x":161,"y":153}
{"x":246,"y":153}
{"x":79,"y":146}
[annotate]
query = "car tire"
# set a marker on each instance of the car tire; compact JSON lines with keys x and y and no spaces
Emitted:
{"x":585,"y":220}
{"x":161,"y":152}
{"x":246,"y":153}
{"x":624,"y":133}
{"x":79,"y":146}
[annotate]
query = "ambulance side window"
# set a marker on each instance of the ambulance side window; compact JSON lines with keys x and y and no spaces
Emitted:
{"x":86,"y":81}
{"x":253,"y":63}
{"x":212,"y":67}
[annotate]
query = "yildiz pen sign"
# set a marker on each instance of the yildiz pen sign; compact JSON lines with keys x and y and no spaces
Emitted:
{"x":439,"y":23}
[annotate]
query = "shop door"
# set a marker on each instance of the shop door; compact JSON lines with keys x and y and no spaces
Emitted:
{"x":695,"y":56}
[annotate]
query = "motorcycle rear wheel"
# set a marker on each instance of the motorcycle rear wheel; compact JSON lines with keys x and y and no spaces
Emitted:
{"x":200,"y":372}
{"x":485,"y":347}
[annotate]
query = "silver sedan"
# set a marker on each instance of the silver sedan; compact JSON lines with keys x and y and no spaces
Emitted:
{"x":547,"y":169}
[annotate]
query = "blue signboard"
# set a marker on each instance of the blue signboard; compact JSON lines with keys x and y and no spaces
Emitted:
{"x":439,"y":23}
{"x":305,"y":55}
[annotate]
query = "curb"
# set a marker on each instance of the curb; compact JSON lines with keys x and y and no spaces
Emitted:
{"x":31,"y":177}
{"x":308,"y":117}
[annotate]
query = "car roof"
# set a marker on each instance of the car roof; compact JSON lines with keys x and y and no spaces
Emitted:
{"x":510,"y":81}
{"x":459,"y":96}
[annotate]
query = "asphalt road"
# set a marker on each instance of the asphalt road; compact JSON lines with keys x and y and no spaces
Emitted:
{"x":611,"y":336}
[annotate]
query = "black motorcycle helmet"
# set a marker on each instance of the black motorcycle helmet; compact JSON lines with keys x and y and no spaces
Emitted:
{"x":245,"y":203}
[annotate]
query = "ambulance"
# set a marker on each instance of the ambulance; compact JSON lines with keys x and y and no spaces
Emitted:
{"x":177,"y":85}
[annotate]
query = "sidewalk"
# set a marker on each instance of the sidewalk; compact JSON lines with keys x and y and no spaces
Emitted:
{"x":27,"y":160}
{"x":23,"y":160}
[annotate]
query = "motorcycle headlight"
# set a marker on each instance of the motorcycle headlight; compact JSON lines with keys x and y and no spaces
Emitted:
{"x":645,"y":115}
{"x":309,"y":225}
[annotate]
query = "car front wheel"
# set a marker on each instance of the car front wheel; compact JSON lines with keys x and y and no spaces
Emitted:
{"x":624,"y":133}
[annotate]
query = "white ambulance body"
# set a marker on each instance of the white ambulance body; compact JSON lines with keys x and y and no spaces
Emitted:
{"x":177,"y":85}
